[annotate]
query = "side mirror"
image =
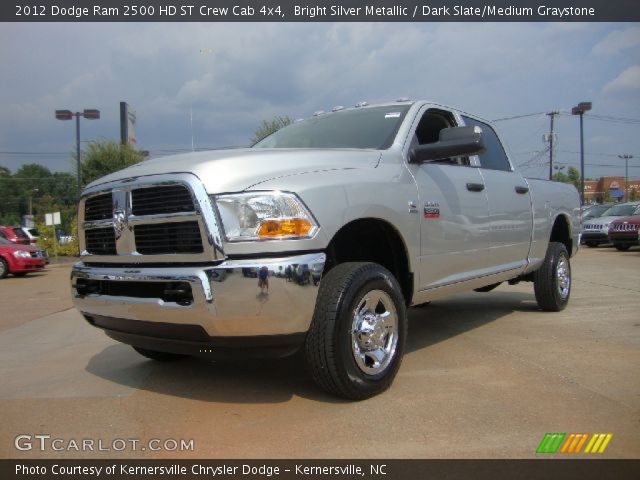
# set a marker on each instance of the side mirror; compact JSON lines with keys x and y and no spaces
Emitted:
{"x":453,"y":142}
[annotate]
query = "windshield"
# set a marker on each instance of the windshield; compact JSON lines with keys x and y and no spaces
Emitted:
{"x":620,"y":211}
{"x":34,"y":232}
{"x":597,"y":211}
{"x":369,"y":127}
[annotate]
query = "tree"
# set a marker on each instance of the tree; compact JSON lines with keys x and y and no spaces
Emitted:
{"x":270,"y":126}
{"x":574,"y":177}
{"x":633,"y":195}
{"x":104,"y":157}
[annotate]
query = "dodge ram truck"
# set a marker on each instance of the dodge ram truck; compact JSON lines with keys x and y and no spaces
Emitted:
{"x":317,"y":240}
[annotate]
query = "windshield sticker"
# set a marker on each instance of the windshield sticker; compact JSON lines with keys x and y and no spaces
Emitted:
{"x":392,"y":115}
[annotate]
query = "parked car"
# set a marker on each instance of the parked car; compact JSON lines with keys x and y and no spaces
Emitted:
{"x":392,"y":205}
{"x":14,"y":235}
{"x":33,"y":235}
{"x":595,"y":211}
{"x":596,"y":231}
{"x":18,"y":259}
{"x":623,"y":233}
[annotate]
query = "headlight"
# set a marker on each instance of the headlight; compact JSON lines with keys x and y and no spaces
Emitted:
{"x":21,"y":254}
{"x":264,"y":216}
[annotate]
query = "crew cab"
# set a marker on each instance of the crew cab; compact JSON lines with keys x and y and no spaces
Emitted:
{"x":382,"y":206}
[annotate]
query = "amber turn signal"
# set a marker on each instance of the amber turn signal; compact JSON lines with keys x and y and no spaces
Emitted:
{"x":284,"y":227}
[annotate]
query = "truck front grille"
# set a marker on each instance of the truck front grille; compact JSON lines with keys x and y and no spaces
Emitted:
{"x":167,"y":238}
{"x":101,"y":241}
{"x":99,"y":207}
{"x":624,"y":227}
{"x":161,"y":199}
{"x":139,"y":222}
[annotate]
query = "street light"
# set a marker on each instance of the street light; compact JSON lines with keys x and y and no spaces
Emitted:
{"x":89,"y":114}
{"x":579,"y":110}
{"x":626,"y":159}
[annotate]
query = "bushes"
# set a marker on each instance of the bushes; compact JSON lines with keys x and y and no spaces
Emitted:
{"x":46,"y":241}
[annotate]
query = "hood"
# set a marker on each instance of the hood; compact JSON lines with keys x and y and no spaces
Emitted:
{"x":236,"y":170}
{"x":601,"y":220}
{"x":17,"y":246}
{"x":634,"y":219}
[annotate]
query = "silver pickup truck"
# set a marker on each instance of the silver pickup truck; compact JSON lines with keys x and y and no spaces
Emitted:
{"x":317,"y":240}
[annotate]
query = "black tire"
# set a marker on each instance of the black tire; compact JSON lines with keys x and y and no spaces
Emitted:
{"x":622,"y":247}
{"x":159,"y":356}
{"x":552,"y":294}
{"x":592,"y":244}
{"x":20,"y":274}
{"x":4,"y":268}
{"x":329,"y":348}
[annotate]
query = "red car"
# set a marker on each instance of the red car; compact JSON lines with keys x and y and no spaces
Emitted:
{"x":623,"y":233}
{"x":14,"y":235}
{"x":18,"y":259}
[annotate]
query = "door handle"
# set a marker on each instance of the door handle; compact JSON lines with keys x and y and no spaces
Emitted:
{"x":521,"y":189}
{"x":475,"y":187}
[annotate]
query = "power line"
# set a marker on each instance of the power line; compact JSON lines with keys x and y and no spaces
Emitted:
{"x":518,"y":116}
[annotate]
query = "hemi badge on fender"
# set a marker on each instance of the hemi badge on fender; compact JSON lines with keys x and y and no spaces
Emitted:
{"x":431,"y":210}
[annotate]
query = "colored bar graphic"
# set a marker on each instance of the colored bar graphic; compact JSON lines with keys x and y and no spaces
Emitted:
{"x":550,"y":442}
{"x":598,"y":443}
{"x":573,"y":443}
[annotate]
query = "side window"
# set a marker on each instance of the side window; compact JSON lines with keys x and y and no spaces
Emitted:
{"x":428,"y":131}
{"x":494,"y":158}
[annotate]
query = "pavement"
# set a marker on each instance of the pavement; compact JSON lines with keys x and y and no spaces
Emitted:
{"x":486,"y":375}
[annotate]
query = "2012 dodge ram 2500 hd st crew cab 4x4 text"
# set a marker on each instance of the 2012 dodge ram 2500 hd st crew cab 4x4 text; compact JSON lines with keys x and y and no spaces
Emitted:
{"x":318,"y":238}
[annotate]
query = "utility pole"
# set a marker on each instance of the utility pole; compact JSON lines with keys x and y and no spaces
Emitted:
{"x":626,"y":159}
{"x":580,"y":109}
{"x":551,"y":115}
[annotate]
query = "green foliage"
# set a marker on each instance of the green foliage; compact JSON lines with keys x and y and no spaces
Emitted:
{"x":270,"y":126}
{"x":34,"y":189}
{"x":572,"y":176}
{"x":47,"y":242}
{"x":633,"y":195}
{"x":104,"y":157}
{"x":606,"y":197}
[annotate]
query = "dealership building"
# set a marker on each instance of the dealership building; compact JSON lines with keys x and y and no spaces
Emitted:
{"x":596,"y":190}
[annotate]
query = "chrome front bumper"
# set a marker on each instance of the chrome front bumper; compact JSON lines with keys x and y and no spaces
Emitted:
{"x":226,"y":298}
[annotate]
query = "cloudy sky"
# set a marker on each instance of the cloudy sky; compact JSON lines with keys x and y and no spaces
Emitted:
{"x":232,"y":76}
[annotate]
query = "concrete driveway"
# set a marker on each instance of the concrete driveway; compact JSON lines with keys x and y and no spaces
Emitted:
{"x":486,"y":376}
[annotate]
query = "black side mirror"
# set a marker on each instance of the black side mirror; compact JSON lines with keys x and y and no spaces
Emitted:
{"x":453,"y":142}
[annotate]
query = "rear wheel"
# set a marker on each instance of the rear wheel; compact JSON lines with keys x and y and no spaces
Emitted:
{"x":552,"y":281}
{"x":622,"y":247}
{"x":159,"y":356}
{"x":356,"y":340}
{"x":4,"y":268}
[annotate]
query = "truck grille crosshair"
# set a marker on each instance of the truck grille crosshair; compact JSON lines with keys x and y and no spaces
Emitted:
{"x":144,"y":206}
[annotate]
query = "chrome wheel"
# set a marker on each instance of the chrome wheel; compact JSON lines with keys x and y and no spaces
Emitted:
{"x":374,"y":332}
{"x":563,"y":277}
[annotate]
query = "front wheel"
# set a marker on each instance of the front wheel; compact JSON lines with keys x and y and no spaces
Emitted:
{"x":552,"y":281}
{"x":622,"y":247}
{"x":4,"y":268}
{"x":357,"y":337}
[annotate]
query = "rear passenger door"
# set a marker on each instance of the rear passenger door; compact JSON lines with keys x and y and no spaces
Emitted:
{"x":510,"y":212}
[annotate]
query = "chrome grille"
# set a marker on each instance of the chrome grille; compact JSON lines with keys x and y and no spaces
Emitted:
{"x":101,"y":241}
{"x":167,"y":238}
{"x":624,"y":227}
{"x":99,"y":207}
{"x":149,"y":219}
{"x":161,"y":200}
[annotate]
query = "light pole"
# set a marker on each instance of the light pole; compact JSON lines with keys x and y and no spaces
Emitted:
{"x":626,"y":159}
{"x":89,"y":114}
{"x":579,"y":110}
